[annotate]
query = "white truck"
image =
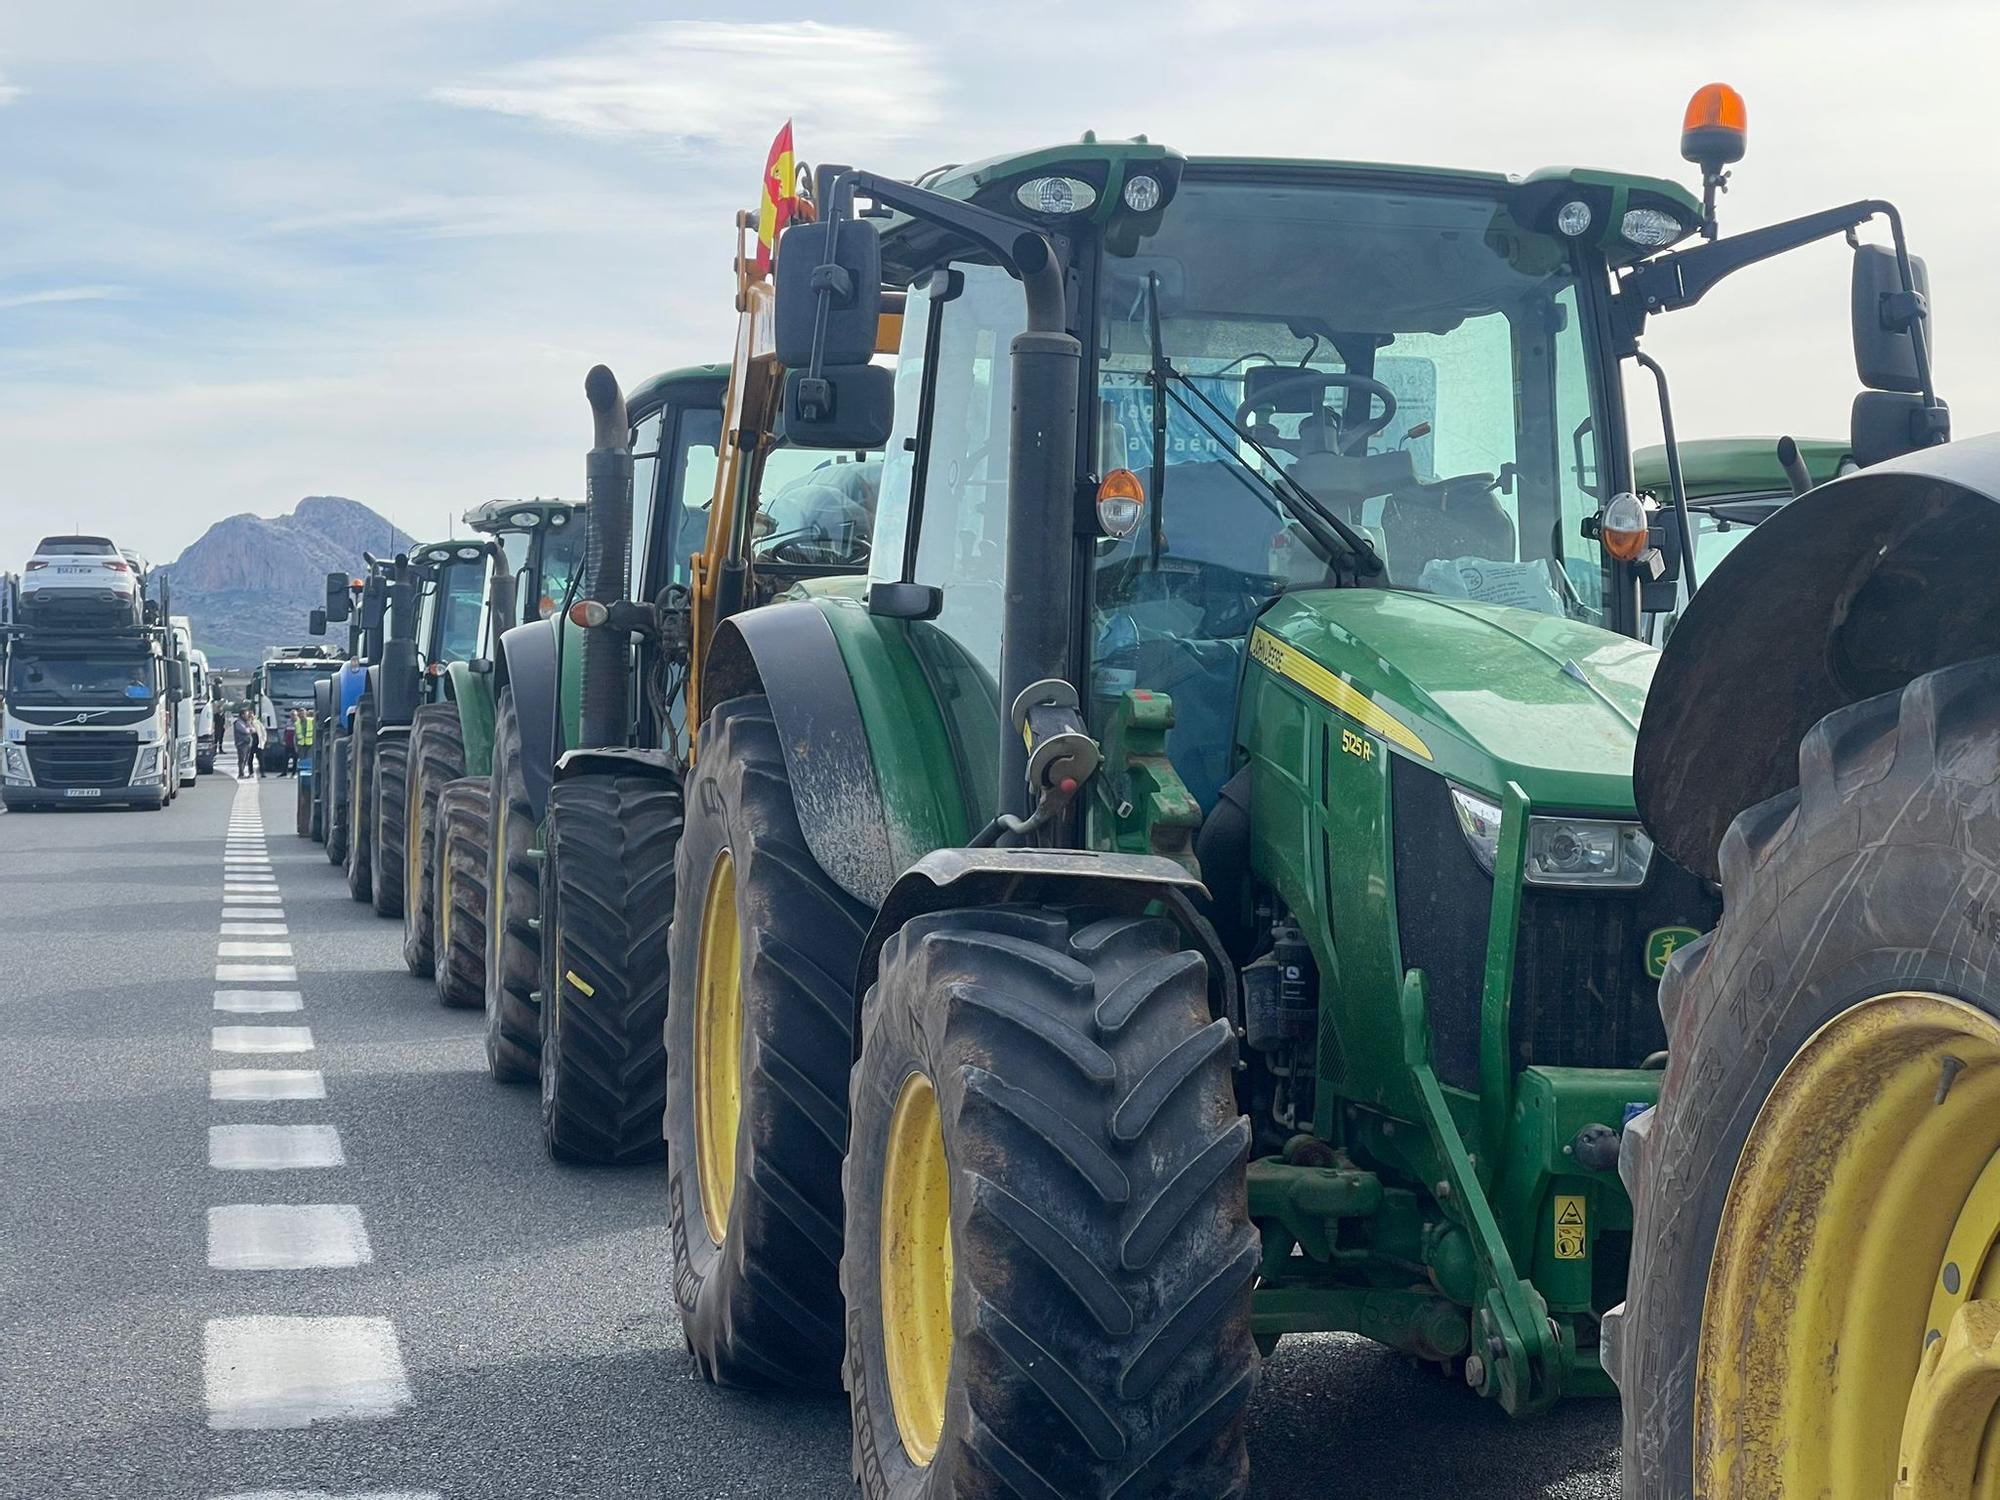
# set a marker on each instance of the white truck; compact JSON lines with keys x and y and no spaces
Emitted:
{"x":203,"y":695}
{"x":183,"y":713}
{"x":88,"y":717}
{"x":284,"y":682}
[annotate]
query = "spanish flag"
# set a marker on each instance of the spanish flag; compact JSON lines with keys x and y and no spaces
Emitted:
{"x":780,"y":200}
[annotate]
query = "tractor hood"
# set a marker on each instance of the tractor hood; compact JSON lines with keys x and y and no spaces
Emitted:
{"x":1851,"y":590}
{"x":1482,"y":693}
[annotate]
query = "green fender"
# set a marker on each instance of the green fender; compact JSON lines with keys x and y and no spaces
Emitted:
{"x":473,"y":693}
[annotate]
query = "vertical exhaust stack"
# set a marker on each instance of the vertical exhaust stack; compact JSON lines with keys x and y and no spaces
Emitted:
{"x":607,"y":473}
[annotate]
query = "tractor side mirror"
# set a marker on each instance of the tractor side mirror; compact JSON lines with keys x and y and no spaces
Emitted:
{"x":316,"y":622}
{"x":844,"y":406}
{"x":338,"y":601}
{"x":1884,"y":312}
{"x":840,"y":266}
{"x":1887,"y":424}
{"x":480,"y":666}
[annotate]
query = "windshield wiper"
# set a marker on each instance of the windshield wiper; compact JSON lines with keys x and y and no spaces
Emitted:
{"x":1327,"y":528}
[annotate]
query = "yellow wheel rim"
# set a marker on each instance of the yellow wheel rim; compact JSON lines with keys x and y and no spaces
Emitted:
{"x":1850,"y":1341}
{"x":443,"y":939}
{"x":916,"y":1268}
{"x":412,"y":853}
{"x":718,"y":1047}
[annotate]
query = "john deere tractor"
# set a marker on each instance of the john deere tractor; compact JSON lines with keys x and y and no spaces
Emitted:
{"x":525,"y":565}
{"x":691,"y":492}
{"x":1191,"y":890}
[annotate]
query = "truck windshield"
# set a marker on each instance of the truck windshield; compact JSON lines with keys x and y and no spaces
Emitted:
{"x":1415,"y":361}
{"x":291,"y":687}
{"x":79,"y":677}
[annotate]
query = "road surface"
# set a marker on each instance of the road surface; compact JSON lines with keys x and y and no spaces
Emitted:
{"x":271,"y":1231}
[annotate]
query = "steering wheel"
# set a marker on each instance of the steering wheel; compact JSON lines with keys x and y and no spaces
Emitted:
{"x":1352,"y":438}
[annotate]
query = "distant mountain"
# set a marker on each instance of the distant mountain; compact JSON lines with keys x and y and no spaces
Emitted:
{"x":248,"y":581}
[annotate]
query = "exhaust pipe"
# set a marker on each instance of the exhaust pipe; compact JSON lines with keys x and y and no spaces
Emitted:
{"x":607,"y":479}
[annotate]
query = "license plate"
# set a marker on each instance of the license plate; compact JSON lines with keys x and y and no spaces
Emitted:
{"x":76,"y":570}
{"x":83,"y":791}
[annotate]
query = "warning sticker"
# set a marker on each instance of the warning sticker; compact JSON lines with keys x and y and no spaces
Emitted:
{"x":1570,"y":1226}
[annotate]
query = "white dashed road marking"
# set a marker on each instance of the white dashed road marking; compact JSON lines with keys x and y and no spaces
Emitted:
{"x":253,"y":950}
{"x":329,"y":1495}
{"x":271,"y":1372}
{"x":256,"y":973}
{"x":261,"y":1038}
{"x":241,"y":898}
{"x":286,"y":1237}
{"x":273,"y":1148}
{"x":266,"y":1083}
{"x":258,"y":1002}
{"x":256,"y":929}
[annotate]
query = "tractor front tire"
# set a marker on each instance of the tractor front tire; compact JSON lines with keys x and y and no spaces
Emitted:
{"x":458,"y":896}
{"x":1857,"y":897}
{"x":392,"y":823}
{"x":333,"y":797}
{"x":437,"y":758}
{"x":764,"y":952}
{"x":1049,"y":1252}
{"x":302,"y":816}
{"x":607,"y":898}
{"x":361,"y":799}
{"x":513,"y":908}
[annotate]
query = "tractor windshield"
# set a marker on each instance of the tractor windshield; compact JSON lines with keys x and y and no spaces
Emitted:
{"x":461,"y":596}
{"x":1414,"y":361}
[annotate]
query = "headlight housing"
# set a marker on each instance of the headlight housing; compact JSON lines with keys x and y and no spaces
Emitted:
{"x":1600,"y":853}
{"x":1479,"y":821}
{"x":14,"y":764}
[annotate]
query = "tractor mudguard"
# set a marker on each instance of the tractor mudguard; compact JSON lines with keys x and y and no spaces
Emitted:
{"x":790,"y":649}
{"x":1117,"y":882}
{"x":1852,"y":590}
{"x":353,"y":682}
{"x":474,"y":695}
{"x":530,"y":653}
{"x":618,"y":760}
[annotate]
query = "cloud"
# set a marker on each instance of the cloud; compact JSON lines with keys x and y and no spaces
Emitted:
{"x":684,"y":85}
{"x":56,"y":294}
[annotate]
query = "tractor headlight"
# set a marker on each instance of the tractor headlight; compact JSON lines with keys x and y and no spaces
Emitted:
{"x":1055,"y":196}
{"x":1594,"y":852}
{"x":1479,"y":821}
{"x":14,"y":765}
{"x":1650,"y":227}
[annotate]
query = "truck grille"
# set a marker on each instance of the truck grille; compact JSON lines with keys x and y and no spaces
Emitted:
{"x":88,"y":757}
{"x":1581,"y":998}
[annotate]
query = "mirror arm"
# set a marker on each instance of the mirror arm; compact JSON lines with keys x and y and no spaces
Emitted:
{"x":1675,"y":482}
{"x":1668,"y":283}
{"x":1022,"y":250}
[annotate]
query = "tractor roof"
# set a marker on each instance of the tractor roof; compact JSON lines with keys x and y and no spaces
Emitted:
{"x":648,"y":394}
{"x":497,"y":516}
{"x":1106,"y":165}
{"x":1712,"y":467}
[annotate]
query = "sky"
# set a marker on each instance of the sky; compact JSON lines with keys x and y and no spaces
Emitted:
{"x":254,"y":251}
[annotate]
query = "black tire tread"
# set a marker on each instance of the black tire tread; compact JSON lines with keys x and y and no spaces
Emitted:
{"x":361,"y":799}
{"x":334,"y":799}
{"x":437,"y":758}
{"x":1910,"y":769}
{"x":392,"y":825}
{"x":463,"y":828}
{"x":607,"y":899}
{"x":513,"y":907}
{"x":1103,"y":1341}
{"x":764,"y":1309}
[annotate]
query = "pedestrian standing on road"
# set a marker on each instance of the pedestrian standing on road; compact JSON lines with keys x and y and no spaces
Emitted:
{"x":216,"y":716}
{"x":247,"y":747}
{"x":291,"y":766}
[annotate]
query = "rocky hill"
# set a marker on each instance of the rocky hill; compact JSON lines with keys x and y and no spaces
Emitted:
{"x":248,"y":581}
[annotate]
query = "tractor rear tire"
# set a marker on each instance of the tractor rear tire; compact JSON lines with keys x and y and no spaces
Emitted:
{"x":302,"y":812}
{"x":760,"y":1302}
{"x":1092,"y":1304}
{"x":1878,"y":874}
{"x":333,"y":796}
{"x":361,"y":799}
{"x":513,"y":907}
{"x":437,"y":758}
{"x":392,"y":823}
{"x":607,"y":898}
{"x":458,"y":894}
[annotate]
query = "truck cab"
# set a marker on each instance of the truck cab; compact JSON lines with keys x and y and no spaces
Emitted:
{"x":86,"y":718}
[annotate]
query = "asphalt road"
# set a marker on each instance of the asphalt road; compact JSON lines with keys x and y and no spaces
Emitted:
{"x":472,"y":1320}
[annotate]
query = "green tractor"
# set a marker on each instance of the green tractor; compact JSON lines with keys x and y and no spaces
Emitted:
{"x":522,"y":571}
{"x":594,"y":724}
{"x":1191,"y":890}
